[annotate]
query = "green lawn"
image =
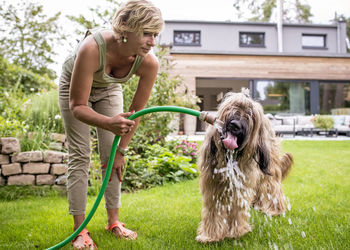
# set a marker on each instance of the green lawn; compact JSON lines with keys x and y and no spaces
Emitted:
{"x":167,"y":217}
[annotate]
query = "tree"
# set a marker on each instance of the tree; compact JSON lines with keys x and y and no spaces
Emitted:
{"x":28,"y":36}
{"x":102,"y":17}
{"x":262,"y":10}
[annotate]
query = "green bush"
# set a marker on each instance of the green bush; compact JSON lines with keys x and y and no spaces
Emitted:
{"x":12,"y":109}
{"x":158,"y":165}
{"x":323,"y":122}
{"x":12,"y":75}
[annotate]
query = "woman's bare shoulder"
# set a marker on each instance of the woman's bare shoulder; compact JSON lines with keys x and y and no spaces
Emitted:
{"x":89,"y":52}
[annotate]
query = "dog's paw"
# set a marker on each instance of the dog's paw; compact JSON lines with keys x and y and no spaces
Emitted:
{"x":237,"y":232}
{"x":205,"y":239}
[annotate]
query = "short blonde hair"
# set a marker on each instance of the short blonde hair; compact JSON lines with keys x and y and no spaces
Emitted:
{"x":137,"y":16}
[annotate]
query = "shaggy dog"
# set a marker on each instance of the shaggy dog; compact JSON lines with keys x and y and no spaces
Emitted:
{"x":241,"y":167}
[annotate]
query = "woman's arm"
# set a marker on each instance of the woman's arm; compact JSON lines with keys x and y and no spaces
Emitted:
{"x":86,"y":63}
{"x":148,"y":74}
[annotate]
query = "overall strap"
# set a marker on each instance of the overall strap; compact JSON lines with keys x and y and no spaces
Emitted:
{"x":101,"y":47}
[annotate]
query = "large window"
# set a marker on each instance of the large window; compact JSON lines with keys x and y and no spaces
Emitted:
{"x":334,"y":96}
{"x":283,"y":97}
{"x":251,"y":39}
{"x":187,"y":38}
{"x":313,"y":41}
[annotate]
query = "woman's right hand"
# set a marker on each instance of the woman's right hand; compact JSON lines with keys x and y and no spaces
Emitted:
{"x":120,"y":125}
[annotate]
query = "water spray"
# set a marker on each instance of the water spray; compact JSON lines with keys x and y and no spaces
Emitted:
{"x":203,"y":116}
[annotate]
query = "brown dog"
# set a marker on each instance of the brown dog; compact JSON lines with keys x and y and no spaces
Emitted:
{"x":241,"y":167}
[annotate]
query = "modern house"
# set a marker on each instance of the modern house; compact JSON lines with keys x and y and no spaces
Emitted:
{"x":309,"y":73}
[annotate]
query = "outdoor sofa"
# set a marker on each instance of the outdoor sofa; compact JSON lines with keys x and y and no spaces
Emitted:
{"x":303,"y":124}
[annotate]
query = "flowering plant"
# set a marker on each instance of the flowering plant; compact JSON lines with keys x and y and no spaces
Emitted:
{"x":188,"y":149}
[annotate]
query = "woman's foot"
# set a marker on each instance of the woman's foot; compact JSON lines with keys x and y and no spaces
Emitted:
{"x":119,"y":230}
{"x":83,"y":241}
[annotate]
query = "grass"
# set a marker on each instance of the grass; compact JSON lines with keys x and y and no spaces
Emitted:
{"x":167,"y":217}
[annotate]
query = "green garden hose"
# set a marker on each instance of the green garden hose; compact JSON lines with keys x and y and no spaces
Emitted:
{"x":201,"y":115}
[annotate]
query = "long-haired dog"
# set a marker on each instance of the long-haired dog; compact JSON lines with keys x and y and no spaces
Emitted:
{"x":241,"y":166}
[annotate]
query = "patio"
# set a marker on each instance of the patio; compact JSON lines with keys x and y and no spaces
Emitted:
{"x":200,"y":137}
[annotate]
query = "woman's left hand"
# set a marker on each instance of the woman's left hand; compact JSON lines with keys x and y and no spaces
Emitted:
{"x":118,"y":166}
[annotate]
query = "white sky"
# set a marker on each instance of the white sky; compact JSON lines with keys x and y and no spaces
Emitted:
{"x":211,"y":10}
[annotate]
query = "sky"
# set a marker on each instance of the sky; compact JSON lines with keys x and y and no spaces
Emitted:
{"x":211,"y":10}
{"x":205,"y":10}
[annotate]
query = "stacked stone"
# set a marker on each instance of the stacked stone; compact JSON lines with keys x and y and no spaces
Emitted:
{"x":32,"y":167}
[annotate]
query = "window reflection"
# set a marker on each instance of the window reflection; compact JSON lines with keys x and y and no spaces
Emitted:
{"x":251,"y":39}
{"x":187,"y":38}
{"x":313,"y":40}
{"x":334,"y":96}
{"x":284,"y":97}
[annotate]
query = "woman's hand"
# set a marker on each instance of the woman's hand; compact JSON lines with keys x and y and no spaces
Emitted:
{"x":118,"y":166}
{"x":120,"y":125}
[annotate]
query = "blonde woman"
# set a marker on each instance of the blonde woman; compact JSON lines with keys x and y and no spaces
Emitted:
{"x":90,"y":93}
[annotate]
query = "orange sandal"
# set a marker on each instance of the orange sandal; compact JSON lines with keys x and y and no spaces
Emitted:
{"x":121,"y":231}
{"x":88,"y":242}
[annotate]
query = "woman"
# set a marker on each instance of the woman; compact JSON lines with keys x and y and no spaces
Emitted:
{"x":90,"y":93}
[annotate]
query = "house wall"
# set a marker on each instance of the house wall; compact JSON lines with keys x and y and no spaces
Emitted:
{"x":223,"y":37}
{"x":220,"y":61}
{"x":292,"y":39}
{"x":198,"y":70}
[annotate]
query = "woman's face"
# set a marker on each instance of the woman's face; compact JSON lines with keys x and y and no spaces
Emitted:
{"x":142,"y":45}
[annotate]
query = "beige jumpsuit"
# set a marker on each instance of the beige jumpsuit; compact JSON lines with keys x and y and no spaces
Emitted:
{"x":106,"y":98}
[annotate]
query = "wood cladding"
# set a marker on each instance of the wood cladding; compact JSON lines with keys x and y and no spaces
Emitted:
{"x":262,"y":67}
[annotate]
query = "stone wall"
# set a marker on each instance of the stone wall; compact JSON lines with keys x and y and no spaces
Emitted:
{"x":33,"y":167}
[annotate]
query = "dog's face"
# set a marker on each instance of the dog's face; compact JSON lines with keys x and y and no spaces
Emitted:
{"x":245,"y":128}
{"x":234,"y":131}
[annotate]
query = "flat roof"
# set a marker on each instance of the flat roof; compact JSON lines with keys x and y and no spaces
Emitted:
{"x":253,"y":23}
{"x":207,"y":52}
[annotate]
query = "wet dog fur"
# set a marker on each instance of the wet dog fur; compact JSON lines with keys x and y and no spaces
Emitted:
{"x":225,"y":207}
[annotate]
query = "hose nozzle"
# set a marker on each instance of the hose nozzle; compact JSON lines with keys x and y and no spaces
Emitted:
{"x":206,"y":117}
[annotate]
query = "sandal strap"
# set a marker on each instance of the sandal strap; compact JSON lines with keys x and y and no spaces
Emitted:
{"x":86,"y":237}
{"x":121,"y":227}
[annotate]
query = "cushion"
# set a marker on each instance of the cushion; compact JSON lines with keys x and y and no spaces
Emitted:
{"x":305,"y":120}
{"x":339,"y":120}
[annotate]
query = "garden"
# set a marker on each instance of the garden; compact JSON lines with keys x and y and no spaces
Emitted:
{"x":161,"y":200}
{"x":167,"y":216}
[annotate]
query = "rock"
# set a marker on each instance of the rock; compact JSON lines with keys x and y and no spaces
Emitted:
{"x":10,"y":145}
{"x":23,"y":179}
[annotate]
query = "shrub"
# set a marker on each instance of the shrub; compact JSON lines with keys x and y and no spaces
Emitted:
{"x":324,"y":122}
{"x":158,"y":165}
{"x":12,"y":75}
{"x":188,"y":149}
{"x":12,"y":122}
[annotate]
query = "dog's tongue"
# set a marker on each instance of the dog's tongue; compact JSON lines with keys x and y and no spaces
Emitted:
{"x":230,"y":142}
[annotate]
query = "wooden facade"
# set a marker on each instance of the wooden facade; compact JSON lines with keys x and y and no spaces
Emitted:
{"x":191,"y":66}
{"x":244,"y":68}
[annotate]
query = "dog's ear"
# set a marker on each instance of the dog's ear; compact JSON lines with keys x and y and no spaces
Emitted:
{"x":263,"y":160}
{"x":213,"y":148}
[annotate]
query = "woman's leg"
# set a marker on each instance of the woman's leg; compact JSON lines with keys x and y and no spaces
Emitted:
{"x":78,"y":137}
{"x":110,"y":104}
